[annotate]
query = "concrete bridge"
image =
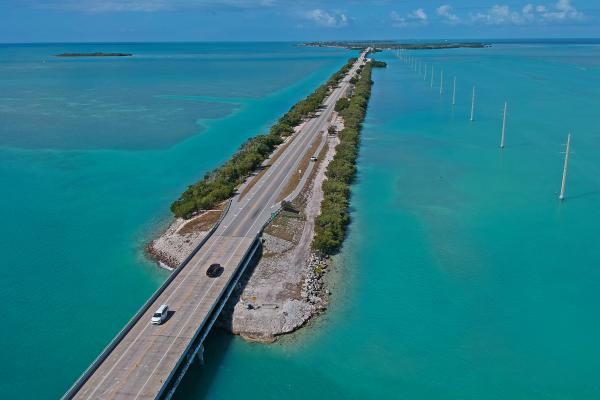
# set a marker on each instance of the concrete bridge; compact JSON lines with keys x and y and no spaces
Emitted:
{"x":147,"y":361}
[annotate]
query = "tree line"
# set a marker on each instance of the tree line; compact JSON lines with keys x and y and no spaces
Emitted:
{"x":220,"y":184}
{"x":330,"y":225}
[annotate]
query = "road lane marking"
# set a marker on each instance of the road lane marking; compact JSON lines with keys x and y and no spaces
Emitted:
{"x":196,"y":265}
{"x":147,"y":325}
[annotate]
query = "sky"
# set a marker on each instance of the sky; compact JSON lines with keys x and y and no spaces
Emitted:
{"x":293,"y":20}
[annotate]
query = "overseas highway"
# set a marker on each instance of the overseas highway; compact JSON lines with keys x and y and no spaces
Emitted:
{"x":147,"y":361}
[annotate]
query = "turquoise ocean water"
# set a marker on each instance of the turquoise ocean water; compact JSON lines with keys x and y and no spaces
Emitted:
{"x":92,"y":152}
{"x":463,"y":277}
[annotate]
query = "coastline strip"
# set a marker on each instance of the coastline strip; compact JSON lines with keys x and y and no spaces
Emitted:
{"x":221,"y":183}
{"x":331,"y":224}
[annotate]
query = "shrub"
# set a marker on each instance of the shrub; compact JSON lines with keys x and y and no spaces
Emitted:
{"x":288,"y":206}
{"x":220,"y":184}
{"x":342,"y":104}
{"x":330,"y":225}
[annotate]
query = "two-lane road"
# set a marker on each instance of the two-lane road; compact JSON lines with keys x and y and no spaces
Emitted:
{"x":144,"y":359}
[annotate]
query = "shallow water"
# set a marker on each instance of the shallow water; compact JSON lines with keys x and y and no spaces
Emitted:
{"x":463,"y":277}
{"x":83,"y":190}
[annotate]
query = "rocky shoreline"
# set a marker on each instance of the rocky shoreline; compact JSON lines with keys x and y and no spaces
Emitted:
{"x":182,"y":236}
{"x":286,"y":286}
{"x":314,"y":290}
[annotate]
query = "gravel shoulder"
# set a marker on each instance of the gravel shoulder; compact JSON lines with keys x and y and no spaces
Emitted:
{"x":181,"y":238}
{"x":286,"y":288}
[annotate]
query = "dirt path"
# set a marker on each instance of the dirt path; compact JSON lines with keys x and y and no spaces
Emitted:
{"x":282,"y":294}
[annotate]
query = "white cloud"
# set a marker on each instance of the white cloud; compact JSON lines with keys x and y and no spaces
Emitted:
{"x":327,"y":19}
{"x":561,"y":11}
{"x":447,"y":15}
{"x":498,"y":15}
{"x":418,"y":15}
{"x":528,"y":13}
{"x":414,"y":18}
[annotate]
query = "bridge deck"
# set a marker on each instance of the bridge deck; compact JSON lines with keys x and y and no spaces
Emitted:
{"x":142,"y":363}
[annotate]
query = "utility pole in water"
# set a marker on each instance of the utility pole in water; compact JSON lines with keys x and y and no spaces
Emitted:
{"x":425,"y":75}
{"x":454,"y":92}
{"x":442,"y":83}
{"x":503,"y":125}
{"x":473,"y":105}
{"x":432,"y":76}
{"x":566,"y":166}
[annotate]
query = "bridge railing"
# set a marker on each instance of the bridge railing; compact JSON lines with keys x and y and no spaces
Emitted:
{"x":176,"y":375}
{"x":117,"y":339}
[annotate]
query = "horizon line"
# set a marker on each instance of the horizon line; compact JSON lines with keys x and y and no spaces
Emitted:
{"x":405,"y":40}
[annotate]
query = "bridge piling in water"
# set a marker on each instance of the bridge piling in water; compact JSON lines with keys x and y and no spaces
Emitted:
{"x":503,"y":125}
{"x":563,"y":185}
{"x":432,"y":76}
{"x":454,"y":92}
{"x":473,"y":106}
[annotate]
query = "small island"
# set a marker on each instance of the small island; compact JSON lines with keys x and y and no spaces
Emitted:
{"x":97,"y":54}
{"x":392,"y":45}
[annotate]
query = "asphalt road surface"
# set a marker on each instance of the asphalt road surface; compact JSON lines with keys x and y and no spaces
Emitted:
{"x":141,"y":363}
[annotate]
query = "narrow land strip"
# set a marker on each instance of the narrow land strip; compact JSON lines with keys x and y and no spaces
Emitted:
{"x":286,"y":288}
{"x":146,"y":361}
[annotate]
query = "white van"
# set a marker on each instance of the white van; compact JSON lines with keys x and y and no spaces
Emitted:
{"x":160,"y":315}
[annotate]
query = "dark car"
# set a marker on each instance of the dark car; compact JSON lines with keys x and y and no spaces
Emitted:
{"x":214,"y":270}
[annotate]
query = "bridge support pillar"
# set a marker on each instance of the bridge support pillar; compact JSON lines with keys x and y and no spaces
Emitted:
{"x":200,"y":354}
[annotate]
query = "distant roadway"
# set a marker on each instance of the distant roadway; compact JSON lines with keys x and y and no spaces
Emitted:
{"x":144,"y":359}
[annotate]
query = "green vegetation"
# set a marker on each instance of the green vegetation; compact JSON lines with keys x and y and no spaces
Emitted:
{"x":220,"y":184}
{"x":393,"y":45}
{"x":379,"y":64}
{"x":330,"y":225}
{"x":342,"y":104}
{"x":288,"y":206}
{"x":97,"y":54}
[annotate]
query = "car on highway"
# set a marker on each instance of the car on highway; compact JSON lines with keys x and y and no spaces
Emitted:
{"x":313,"y":158}
{"x":160,"y":315}
{"x":214,"y":271}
